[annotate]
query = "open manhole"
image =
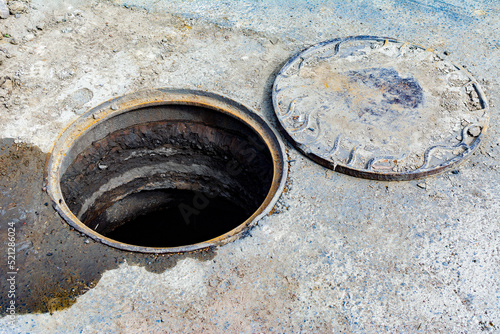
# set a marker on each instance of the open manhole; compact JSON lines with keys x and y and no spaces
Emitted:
{"x":166,"y":171}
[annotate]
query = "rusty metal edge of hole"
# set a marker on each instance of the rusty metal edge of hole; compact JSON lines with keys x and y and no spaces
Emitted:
{"x":376,"y":175}
{"x":155,"y":97}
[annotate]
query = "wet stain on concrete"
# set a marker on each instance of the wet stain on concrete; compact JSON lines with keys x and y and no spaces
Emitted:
{"x":55,"y":264}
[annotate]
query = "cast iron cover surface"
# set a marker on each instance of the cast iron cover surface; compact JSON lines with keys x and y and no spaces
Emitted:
{"x":378,"y":108}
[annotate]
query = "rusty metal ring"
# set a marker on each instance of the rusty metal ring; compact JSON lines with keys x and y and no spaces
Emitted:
{"x":157,"y":97}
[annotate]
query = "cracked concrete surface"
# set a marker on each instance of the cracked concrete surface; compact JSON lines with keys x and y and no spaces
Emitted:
{"x":338,"y":254}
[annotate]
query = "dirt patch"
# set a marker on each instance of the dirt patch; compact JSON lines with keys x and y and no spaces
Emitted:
{"x":55,"y":264}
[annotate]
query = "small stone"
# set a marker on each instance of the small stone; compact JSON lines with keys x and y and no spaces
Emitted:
{"x":17,"y":7}
{"x":87,"y":241}
{"x":474,"y":131}
{"x":28,"y":38}
{"x":40,"y":26}
{"x":65,"y":74}
{"x":422,"y":185}
{"x":79,"y":98}
{"x":114,"y":107}
{"x":14,"y":41}
{"x":103,"y":167}
{"x":4,"y":10}
{"x":49,"y":254}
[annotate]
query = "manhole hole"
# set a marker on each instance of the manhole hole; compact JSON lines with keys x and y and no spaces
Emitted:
{"x":166,"y":171}
{"x":379,"y":108}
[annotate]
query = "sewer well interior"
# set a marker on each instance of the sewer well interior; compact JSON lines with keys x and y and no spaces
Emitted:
{"x":166,"y":176}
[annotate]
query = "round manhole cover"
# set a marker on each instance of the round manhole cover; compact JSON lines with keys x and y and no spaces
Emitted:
{"x":378,"y":108}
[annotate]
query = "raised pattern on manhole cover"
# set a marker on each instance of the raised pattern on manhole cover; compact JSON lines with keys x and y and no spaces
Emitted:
{"x":378,"y":108}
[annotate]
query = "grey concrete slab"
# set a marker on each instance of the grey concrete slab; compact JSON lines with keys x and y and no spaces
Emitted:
{"x":339,"y":254}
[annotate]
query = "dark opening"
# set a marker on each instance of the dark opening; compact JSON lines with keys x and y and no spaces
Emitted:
{"x":171,"y":182}
{"x":180,"y":222}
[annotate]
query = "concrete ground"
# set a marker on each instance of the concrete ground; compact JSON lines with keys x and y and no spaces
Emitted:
{"x":339,"y":254}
